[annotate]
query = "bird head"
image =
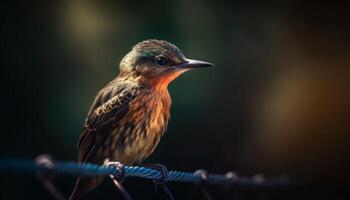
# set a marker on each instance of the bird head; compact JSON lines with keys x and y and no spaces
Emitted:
{"x":157,"y":62}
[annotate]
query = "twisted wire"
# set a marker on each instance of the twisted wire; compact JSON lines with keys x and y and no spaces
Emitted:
{"x":89,"y":169}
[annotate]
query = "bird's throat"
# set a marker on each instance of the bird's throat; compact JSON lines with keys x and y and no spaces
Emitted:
{"x":162,"y":82}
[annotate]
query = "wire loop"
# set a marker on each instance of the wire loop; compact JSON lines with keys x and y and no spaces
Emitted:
{"x":164,"y":177}
{"x":45,"y":161}
{"x":203,"y":174}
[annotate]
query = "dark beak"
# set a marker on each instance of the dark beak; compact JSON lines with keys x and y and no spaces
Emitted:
{"x":193,"y":64}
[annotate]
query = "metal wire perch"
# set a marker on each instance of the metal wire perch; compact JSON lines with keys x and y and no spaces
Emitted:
{"x":118,"y":172}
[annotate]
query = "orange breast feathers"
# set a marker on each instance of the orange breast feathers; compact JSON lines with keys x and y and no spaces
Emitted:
{"x":151,"y":110}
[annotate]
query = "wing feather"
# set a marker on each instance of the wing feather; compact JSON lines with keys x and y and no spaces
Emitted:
{"x":110,"y":105}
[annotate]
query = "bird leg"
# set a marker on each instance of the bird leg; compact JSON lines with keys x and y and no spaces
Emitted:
{"x":163,"y":179}
{"x":118,"y":178}
{"x":119,"y":167}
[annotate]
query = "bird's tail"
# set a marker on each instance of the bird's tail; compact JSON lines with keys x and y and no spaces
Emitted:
{"x":83,"y":186}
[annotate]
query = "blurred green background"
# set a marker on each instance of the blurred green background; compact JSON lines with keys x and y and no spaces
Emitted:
{"x":277,"y":101}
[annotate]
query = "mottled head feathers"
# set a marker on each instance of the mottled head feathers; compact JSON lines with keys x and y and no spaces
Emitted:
{"x":147,"y":51}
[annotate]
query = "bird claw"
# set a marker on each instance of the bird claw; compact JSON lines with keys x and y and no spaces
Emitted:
{"x":120,"y":168}
{"x":118,"y":178}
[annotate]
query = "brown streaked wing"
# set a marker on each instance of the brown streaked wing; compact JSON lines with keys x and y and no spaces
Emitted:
{"x":110,"y":105}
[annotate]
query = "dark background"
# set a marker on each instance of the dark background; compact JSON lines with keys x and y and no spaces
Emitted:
{"x":276,"y":103}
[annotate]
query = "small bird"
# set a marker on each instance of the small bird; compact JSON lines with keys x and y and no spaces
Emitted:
{"x":131,"y":113}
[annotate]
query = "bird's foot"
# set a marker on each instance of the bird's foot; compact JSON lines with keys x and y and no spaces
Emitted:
{"x":120,"y":170}
{"x":118,"y":177}
{"x":163,"y":179}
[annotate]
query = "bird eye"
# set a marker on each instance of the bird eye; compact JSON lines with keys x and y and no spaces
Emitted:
{"x":162,"y":60}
